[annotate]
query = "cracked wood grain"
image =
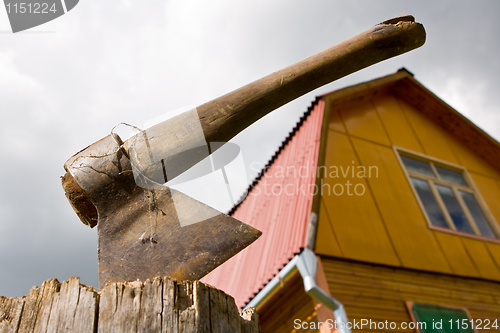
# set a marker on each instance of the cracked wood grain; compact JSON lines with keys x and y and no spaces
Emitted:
{"x":157,"y":305}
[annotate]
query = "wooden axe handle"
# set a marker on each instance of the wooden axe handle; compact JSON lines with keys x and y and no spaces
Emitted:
{"x":226,"y":116}
{"x":223,"y":118}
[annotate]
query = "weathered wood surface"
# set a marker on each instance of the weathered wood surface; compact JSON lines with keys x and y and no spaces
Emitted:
{"x":158,"y":305}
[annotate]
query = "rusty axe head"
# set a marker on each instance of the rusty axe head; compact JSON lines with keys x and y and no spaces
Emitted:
{"x":147,"y":229}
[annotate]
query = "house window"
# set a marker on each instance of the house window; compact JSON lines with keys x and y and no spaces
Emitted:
{"x":447,"y":197}
{"x":433,"y":318}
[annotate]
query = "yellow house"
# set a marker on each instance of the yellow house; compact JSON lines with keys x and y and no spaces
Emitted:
{"x":403,"y":218}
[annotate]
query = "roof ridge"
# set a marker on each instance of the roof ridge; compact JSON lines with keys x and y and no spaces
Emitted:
{"x":289,"y":137}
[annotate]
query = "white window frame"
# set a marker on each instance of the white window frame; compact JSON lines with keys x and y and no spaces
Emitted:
{"x":433,"y":180}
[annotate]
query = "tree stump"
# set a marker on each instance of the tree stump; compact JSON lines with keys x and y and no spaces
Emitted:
{"x":158,"y":305}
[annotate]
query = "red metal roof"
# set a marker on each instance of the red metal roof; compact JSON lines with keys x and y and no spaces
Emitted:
{"x":279,"y":204}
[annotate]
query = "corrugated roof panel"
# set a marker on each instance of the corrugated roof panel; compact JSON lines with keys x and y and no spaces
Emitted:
{"x":279,"y":204}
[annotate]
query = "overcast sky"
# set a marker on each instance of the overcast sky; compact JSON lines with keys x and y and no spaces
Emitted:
{"x":65,"y":84}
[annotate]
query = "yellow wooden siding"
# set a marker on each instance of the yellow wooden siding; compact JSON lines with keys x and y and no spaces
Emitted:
{"x":290,"y":303}
{"x":380,"y":293}
{"x":356,"y":220}
{"x":482,"y":259}
{"x":386,"y":224}
{"x":335,"y":121}
{"x":362,"y":121}
{"x":434,"y":139}
{"x":494,"y":250}
{"x":328,"y":242}
{"x":456,"y":254}
{"x":472,"y":162}
{"x":413,"y":240}
{"x":395,"y":121}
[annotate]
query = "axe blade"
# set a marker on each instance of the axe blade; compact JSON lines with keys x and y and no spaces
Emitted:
{"x":155,"y":243}
{"x":148,"y":231}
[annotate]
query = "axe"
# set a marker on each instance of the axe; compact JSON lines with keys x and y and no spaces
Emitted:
{"x":147,"y":229}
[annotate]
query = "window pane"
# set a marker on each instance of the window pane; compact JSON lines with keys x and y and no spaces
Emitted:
{"x":427,"y":315}
{"x":451,"y":176}
{"x":430,"y":204}
{"x":414,"y":165}
{"x":478,"y":215}
{"x":454,"y":209}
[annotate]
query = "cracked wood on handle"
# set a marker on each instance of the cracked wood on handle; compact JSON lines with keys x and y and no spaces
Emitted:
{"x":160,"y":305}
